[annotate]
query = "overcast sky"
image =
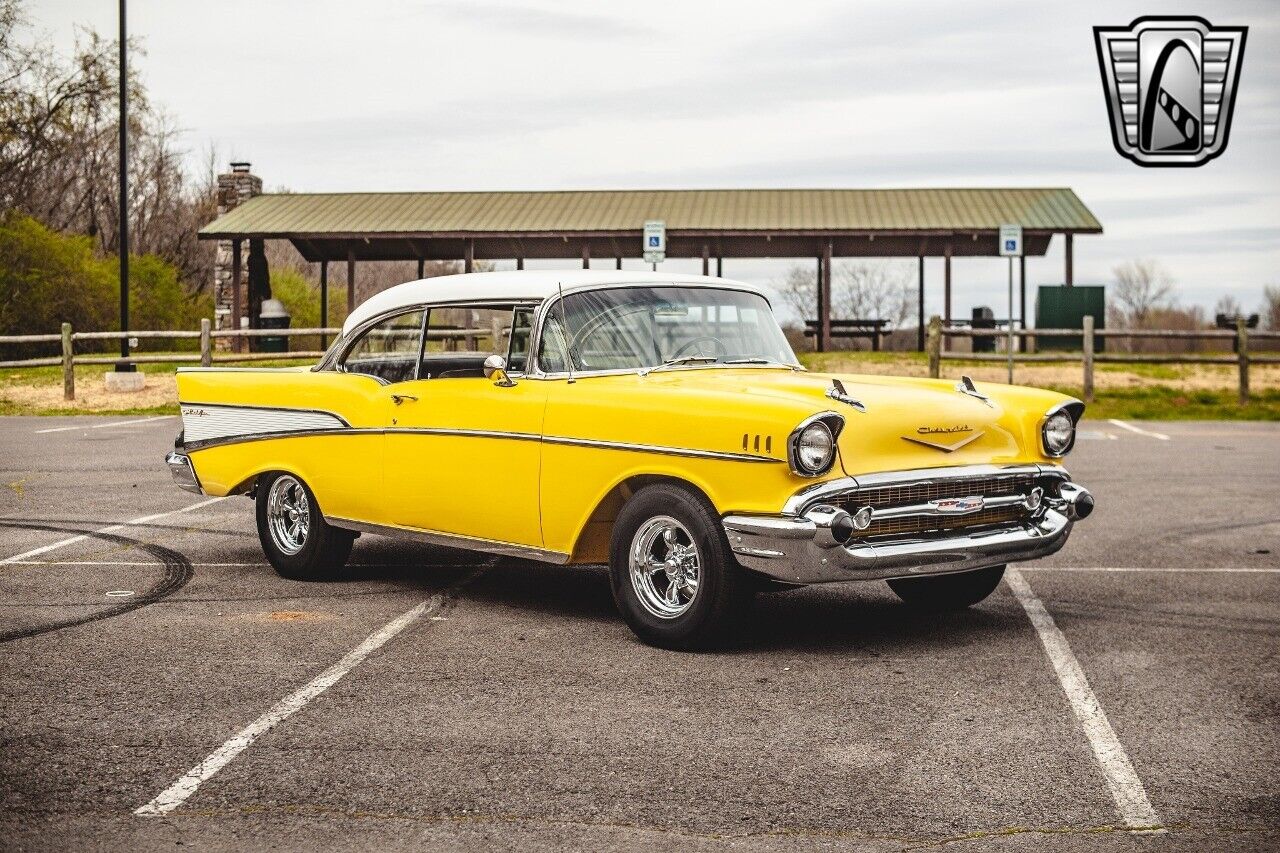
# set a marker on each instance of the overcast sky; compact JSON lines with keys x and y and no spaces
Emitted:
{"x":474,"y":95}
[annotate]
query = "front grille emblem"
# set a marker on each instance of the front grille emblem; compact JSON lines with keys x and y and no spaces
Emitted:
{"x":958,"y":506}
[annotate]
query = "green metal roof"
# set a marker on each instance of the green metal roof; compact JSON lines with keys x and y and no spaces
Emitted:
{"x":322,"y":215}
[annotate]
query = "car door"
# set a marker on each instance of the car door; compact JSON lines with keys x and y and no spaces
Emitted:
{"x":462,"y":453}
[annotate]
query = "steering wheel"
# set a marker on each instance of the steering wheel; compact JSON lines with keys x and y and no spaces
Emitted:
{"x":705,"y":339}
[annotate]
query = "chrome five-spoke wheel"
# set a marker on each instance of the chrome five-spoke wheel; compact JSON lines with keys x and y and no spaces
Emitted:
{"x":665,"y":571}
{"x":288,"y":514}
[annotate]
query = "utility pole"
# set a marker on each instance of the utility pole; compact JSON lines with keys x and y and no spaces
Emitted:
{"x":124,"y":365}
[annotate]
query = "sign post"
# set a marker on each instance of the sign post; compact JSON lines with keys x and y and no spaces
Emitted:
{"x":1010,"y":247}
{"x":655,"y":242}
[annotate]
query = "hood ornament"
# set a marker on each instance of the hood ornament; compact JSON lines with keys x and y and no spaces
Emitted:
{"x":966,"y":386}
{"x":836,"y":392}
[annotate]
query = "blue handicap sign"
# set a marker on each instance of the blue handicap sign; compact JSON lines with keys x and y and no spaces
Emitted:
{"x":1010,"y":245}
{"x":653,"y":240}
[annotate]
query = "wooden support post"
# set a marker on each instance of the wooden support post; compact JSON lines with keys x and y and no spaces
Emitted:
{"x":1069,"y":267}
{"x":237,"y":301}
{"x":818,"y":343}
{"x":351,"y":281}
{"x":825,"y":282}
{"x":720,"y":267}
{"x":422,"y":268}
{"x":586,"y":255}
{"x":324,"y":302}
{"x":935,"y":346}
{"x":468,"y":255}
{"x":1242,"y":358}
{"x":920,"y":330}
{"x":1088,"y":359}
{"x":617,"y":263}
{"x":206,"y":343}
{"x":706,"y":259}
{"x":496,"y":326}
{"x":519,"y":263}
{"x":946,"y":287}
{"x":68,"y":364}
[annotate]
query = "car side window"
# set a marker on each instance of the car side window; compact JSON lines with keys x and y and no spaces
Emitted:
{"x":521,"y":332}
{"x":461,"y":337}
{"x":388,"y":350}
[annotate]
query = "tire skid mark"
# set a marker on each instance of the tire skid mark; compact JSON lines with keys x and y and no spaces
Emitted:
{"x":178,"y":571}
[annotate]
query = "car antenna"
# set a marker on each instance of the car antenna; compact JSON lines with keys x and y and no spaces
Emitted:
{"x":564,"y":333}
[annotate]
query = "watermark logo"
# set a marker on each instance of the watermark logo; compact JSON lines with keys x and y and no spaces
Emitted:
{"x":1171,"y":85}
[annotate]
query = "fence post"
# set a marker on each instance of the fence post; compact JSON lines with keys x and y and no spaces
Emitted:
{"x":206,"y":349}
{"x":68,"y":364}
{"x":1087,"y":346}
{"x":1242,"y":358}
{"x":934,"y":346}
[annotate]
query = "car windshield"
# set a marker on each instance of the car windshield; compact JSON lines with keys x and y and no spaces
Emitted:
{"x":641,"y":328}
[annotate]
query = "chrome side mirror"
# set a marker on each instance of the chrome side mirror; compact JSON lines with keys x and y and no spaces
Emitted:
{"x":495,"y":368}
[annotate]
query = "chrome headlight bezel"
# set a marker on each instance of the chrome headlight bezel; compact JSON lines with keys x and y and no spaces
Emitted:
{"x":1072,"y":411}
{"x":830,"y":422}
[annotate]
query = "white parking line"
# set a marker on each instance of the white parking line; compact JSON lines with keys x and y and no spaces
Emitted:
{"x":104,"y":426}
{"x":178,"y":793}
{"x":18,"y":559}
{"x":1244,"y":570}
{"x":1126,"y":788}
{"x":1139,"y":430}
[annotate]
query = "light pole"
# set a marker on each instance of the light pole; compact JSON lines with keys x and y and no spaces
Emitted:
{"x":124,"y":365}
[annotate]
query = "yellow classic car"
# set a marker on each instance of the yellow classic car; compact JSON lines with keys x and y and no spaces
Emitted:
{"x":657,"y":423}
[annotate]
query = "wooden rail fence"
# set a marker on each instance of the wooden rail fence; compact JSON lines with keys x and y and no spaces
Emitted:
{"x":205,"y":358}
{"x":1088,"y":356}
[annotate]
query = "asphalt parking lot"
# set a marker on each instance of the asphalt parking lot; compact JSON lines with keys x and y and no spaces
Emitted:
{"x":150,"y":661}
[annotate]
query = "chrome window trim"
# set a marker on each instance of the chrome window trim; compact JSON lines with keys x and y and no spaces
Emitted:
{"x":818,"y":492}
{"x":453,"y":540}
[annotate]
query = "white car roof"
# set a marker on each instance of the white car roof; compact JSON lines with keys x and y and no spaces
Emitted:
{"x":517,"y":286}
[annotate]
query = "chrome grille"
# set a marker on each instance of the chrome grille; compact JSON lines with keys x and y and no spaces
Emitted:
{"x":905,"y":494}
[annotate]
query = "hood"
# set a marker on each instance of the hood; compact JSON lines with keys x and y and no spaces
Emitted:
{"x":908,"y":423}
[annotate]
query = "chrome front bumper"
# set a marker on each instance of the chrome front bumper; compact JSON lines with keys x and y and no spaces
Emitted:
{"x":815,"y":546}
{"x":184,"y":475}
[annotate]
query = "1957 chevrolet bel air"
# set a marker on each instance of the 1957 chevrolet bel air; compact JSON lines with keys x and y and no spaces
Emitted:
{"x":657,"y":423}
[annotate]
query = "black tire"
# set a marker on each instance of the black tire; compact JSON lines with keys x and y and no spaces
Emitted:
{"x":324,"y":549}
{"x":723,"y":591}
{"x":948,"y":592}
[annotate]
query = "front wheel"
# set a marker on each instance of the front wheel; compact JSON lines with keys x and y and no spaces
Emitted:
{"x":674,"y":578}
{"x":298,"y":542}
{"x":948,"y":592}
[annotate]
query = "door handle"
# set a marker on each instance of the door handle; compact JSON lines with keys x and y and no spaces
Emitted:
{"x":400,"y":398}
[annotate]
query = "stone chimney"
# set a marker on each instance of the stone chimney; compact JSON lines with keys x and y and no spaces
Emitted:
{"x":234,"y":188}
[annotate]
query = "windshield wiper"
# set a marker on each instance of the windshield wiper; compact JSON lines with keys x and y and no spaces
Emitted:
{"x":759,"y":361}
{"x":673,"y":362}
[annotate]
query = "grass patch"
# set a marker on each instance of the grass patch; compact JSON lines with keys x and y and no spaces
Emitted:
{"x":1158,"y":403}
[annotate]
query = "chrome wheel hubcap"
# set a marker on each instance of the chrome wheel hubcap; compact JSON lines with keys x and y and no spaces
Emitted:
{"x":665,"y":570}
{"x":288,"y":514}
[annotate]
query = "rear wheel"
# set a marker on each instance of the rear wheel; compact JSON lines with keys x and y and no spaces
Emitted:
{"x":948,"y":592}
{"x":674,"y":578}
{"x":298,"y":542}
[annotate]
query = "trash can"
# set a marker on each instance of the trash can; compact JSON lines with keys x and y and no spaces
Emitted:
{"x":273,"y":316}
{"x":983,"y":318}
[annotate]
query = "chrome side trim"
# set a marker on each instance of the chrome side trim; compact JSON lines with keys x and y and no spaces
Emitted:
{"x":652,"y":448}
{"x":193,"y":446}
{"x":802,"y":499}
{"x":463,"y":433}
{"x":451,"y":540}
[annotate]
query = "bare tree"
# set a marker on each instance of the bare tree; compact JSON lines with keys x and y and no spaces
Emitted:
{"x":799,"y":289}
{"x":872,"y":291}
{"x":1271,"y":306}
{"x":1141,"y":287}
{"x":1228,"y":305}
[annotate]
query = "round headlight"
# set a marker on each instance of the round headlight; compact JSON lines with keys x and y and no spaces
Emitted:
{"x":1059,"y":433}
{"x":815,"y":449}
